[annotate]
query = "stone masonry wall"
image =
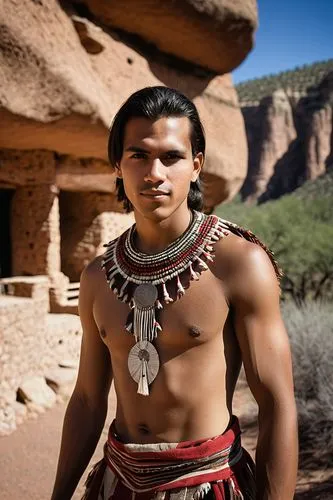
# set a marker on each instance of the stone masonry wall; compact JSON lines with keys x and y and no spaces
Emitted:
{"x":87,"y":221}
{"x":33,"y":344}
{"x":34,"y":212}
{"x":35,"y":230}
{"x":48,"y":238}
{"x":26,"y":168}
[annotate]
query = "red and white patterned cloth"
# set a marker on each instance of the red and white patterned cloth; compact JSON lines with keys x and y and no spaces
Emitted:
{"x":212,"y":468}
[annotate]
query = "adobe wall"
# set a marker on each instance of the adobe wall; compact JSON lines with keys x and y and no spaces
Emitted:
{"x":32,"y":344}
{"x":35,"y":231}
{"x":34,"y":211}
{"x":58,"y":241}
{"x":87,"y":222}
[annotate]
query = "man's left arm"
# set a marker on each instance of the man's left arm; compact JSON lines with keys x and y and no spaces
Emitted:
{"x":254,"y":298}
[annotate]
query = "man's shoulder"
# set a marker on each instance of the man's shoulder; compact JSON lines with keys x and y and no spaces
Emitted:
{"x":93,"y":272}
{"x":232,"y":253}
{"x":239,"y":254}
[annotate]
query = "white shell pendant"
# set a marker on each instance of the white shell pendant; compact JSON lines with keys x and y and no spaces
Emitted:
{"x":143,"y":365}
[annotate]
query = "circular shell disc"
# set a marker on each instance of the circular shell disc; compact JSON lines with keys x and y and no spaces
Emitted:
{"x":143,"y":350}
{"x":145,"y":295}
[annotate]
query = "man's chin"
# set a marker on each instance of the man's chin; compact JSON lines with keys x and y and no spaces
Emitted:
{"x":155,"y":214}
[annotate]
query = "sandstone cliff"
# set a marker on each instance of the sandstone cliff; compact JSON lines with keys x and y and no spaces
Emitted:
{"x":290,"y":138}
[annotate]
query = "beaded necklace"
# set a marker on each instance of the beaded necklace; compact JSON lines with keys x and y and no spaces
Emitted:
{"x":149,"y":282}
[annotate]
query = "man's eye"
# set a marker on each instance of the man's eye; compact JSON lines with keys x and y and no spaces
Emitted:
{"x":138,"y":155}
{"x":172,"y":156}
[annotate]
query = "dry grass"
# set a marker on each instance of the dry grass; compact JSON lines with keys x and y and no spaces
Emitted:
{"x":311,"y":335}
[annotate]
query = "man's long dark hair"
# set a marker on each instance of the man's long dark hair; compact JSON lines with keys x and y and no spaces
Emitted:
{"x":154,"y":103}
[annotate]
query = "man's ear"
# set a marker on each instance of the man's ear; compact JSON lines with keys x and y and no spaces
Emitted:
{"x":198,"y":162}
{"x":118,"y":171}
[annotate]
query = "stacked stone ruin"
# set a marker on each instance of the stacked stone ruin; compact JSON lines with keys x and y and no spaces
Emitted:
{"x":65,"y":68}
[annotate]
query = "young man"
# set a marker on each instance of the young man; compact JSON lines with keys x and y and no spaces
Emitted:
{"x":169,"y":313}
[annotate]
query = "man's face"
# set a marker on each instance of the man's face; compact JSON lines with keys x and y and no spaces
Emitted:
{"x":157,"y":166}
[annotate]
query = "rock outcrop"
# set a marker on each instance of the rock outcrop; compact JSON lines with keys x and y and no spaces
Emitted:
{"x":214,"y":34}
{"x":50,"y":97}
{"x":64,"y":78}
{"x":270,"y":130}
{"x":318,"y":111}
{"x":290,"y":141}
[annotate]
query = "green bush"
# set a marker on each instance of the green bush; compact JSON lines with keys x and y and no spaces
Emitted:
{"x":298,"y":79}
{"x":310,"y":331}
{"x":299,"y":231}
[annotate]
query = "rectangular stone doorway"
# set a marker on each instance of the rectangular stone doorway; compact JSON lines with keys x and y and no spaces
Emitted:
{"x":6,"y":196}
{"x":80,"y":230}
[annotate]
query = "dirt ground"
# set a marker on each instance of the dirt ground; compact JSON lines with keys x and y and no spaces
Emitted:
{"x":28,"y":457}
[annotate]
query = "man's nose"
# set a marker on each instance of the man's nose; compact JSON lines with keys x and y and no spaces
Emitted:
{"x":156,"y":171}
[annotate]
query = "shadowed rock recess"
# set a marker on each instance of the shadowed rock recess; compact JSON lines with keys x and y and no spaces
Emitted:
{"x":65,"y":69}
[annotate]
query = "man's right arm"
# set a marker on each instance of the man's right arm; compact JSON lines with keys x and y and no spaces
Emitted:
{"x":87,"y":408}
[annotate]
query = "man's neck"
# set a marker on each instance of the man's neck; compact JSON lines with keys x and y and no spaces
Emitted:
{"x":154,"y":236}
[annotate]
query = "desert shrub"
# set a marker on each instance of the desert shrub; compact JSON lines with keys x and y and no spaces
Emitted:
{"x":310,"y":330}
{"x":300,"y":232}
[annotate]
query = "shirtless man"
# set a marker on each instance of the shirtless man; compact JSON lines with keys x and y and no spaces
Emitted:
{"x":228,"y":316}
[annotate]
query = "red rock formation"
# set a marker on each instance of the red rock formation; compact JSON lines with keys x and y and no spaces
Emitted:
{"x":270,"y":131}
{"x":215,"y":34}
{"x":319,"y":130}
{"x":50,"y":97}
{"x":288,"y":144}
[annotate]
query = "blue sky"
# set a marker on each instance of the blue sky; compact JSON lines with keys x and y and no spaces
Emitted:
{"x":291,"y":33}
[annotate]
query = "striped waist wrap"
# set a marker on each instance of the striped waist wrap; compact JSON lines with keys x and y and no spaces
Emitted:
{"x":168,"y":466}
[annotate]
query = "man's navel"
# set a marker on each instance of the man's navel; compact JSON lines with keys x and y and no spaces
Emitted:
{"x":144,"y":429}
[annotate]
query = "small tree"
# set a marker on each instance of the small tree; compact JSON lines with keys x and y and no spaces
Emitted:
{"x":300,"y":233}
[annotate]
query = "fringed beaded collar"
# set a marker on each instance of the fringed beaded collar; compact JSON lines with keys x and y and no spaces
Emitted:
{"x":149,"y":282}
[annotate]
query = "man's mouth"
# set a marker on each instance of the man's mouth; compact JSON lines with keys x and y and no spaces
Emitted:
{"x":154,"y":193}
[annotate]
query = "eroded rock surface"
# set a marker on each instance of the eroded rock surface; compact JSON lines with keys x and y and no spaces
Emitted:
{"x":215,"y":34}
{"x":290,"y":141}
{"x":76,"y":74}
{"x":271,"y":129}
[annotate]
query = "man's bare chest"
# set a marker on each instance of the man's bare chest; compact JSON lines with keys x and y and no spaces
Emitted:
{"x":194,"y":319}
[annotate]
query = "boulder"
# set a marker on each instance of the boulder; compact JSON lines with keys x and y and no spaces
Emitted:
{"x":69,"y":364}
{"x":61,"y":380}
{"x":214,"y":34}
{"x":35,"y":391}
{"x":226,"y":162}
